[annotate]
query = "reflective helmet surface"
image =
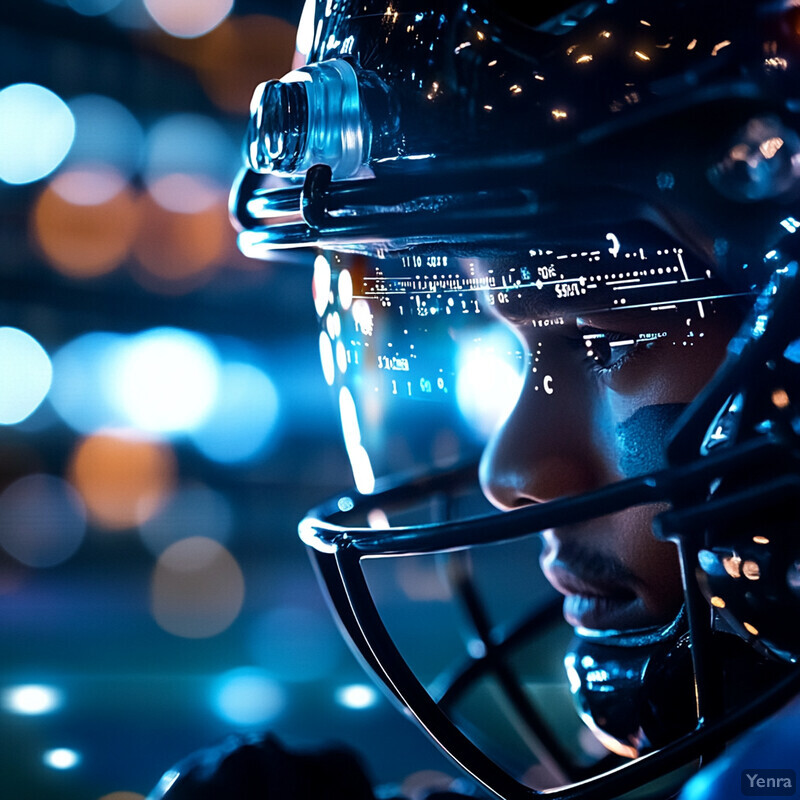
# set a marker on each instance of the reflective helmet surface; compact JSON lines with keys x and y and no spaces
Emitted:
{"x":492,"y":194}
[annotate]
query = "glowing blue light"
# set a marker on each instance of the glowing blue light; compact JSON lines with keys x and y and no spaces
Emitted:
{"x":106,"y":133}
{"x":248,"y":697}
{"x":792,"y":352}
{"x":165,"y":380}
{"x":36,"y":132}
{"x":243,"y":418}
{"x":62,"y":758}
{"x":791,"y":224}
{"x":82,"y":387}
{"x":32,"y":699}
{"x":27,"y":374}
{"x":488,"y":381}
{"x":357,"y":696}
{"x":188,"y":145}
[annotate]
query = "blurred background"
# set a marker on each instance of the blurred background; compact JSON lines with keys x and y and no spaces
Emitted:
{"x":164,"y":423}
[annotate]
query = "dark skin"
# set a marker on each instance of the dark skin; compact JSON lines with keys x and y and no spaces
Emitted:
{"x":571,"y":431}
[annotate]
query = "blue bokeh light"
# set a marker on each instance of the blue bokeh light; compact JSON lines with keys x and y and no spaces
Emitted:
{"x":36,"y":132}
{"x":247,"y":697}
{"x":27,"y":375}
{"x":243,"y":419}
{"x":106,"y":134}
{"x":62,"y":758}
{"x":42,"y":520}
{"x":81,"y":392}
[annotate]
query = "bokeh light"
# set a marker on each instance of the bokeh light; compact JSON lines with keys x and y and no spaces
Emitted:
{"x":189,"y":162}
{"x":166,"y":380}
{"x":123,"y":479}
{"x":42,"y":520}
{"x":61,"y":758}
{"x":36,"y":132}
{"x":197,"y":589}
{"x":85,"y":222}
{"x":177,"y":251}
{"x":32,"y":699}
{"x":357,"y":696}
{"x":107,"y":135}
{"x":188,"y":18}
{"x":193,"y":510}
{"x":82,"y":390}
{"x":243,"y":418}
{"x":237,"y":55}
{"x":27,"y":375}
{"x":295,"y":644}
{"x":247,"y":697}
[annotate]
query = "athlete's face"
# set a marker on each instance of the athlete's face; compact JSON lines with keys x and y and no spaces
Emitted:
{"x":596,"y":405}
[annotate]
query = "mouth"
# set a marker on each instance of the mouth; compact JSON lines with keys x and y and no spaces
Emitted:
{"x":597,"y":603}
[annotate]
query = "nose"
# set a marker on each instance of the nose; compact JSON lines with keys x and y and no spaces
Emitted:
{"x":553,"y":444}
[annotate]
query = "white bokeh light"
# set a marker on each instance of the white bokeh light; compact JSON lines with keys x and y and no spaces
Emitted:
{"x":188,"y":19}
{"x":357,"y":696}
{"x":36,"y":132}
{"x":248,"y":697}
{"x":166,"y":380}
{"x":27,"y":375}
{"x":62,"y":758}
{"x":32,"y":699}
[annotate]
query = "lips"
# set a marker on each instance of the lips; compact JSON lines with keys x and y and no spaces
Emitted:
{"x":595,"y":601}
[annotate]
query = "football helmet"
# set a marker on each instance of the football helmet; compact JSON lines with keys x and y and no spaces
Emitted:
{"x":481,"y":183}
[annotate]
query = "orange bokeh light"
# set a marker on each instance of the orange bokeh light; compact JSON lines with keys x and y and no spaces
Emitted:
{"x":123,"y":480}
{"x":84,"y":240}
{"x":178,"y":251}
{"x":236,"y":56}
{"x":197,"y":588}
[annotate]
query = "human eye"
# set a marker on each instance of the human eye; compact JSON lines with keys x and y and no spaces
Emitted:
{"x":608,"y":351}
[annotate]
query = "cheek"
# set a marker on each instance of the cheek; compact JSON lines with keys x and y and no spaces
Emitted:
{"x":640,"y":438}
{"x":655,"y":563}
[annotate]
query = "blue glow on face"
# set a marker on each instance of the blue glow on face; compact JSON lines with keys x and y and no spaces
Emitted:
{"x":488,"y":381}
{"x":165,"y":380}
{"x":36,"y":132}
{"x":32,"y":699}
{"x":247,"y":697}
{"x":26,"y":374}
{"x":243,"y":418}
{"x":62,"y":758}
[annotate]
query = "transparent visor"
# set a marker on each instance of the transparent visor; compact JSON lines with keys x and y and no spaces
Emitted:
{"x":429,"y":350}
